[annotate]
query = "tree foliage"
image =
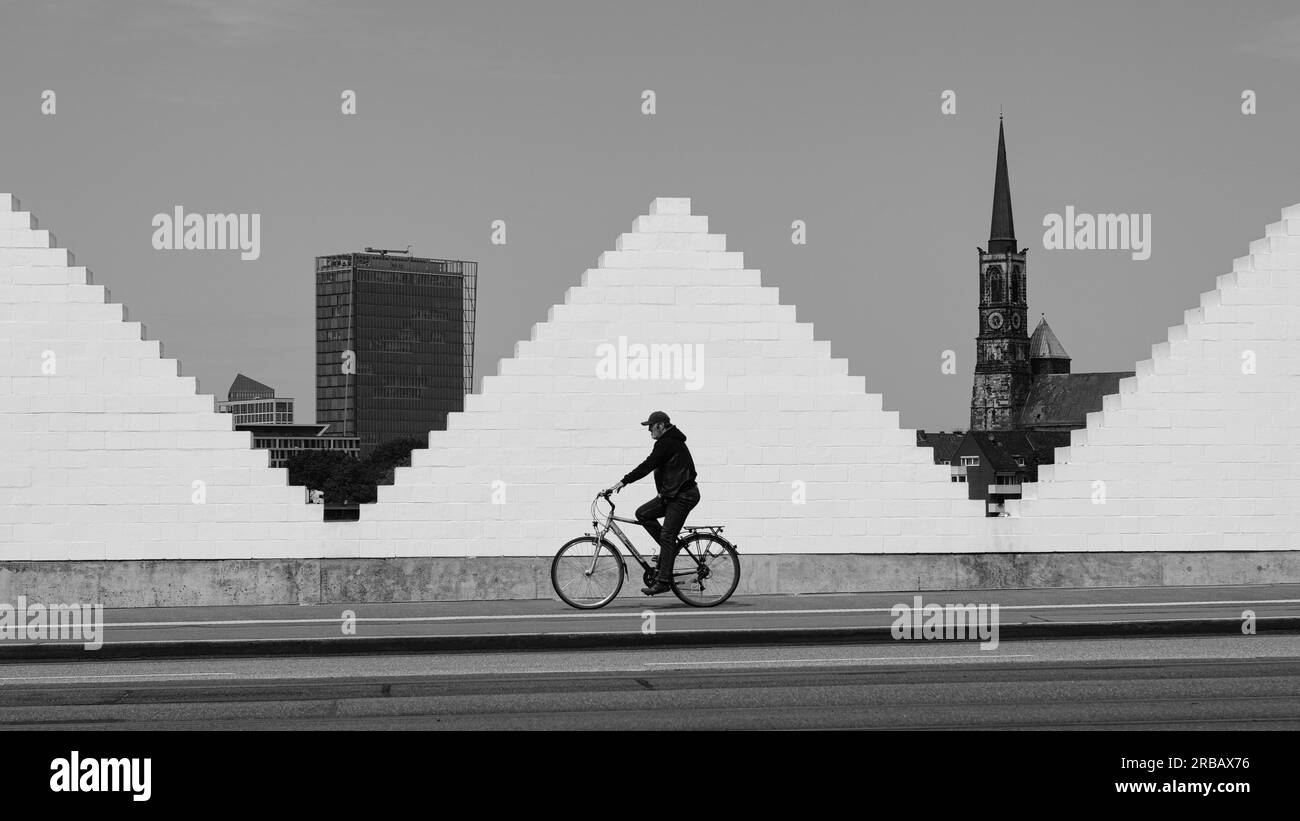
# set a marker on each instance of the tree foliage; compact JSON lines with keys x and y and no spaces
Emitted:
{"x":346,"y":479}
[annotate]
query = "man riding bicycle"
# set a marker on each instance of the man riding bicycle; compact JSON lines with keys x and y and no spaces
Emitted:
{"x":677,"y":494}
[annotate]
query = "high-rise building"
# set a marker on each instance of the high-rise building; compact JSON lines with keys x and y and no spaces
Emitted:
{"x":253,"y":403}
{"x":394,"y":343}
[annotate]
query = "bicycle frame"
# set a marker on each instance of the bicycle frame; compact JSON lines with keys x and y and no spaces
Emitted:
{"x":611,"y":526}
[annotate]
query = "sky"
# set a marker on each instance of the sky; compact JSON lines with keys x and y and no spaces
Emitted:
{"x":826,"y":112}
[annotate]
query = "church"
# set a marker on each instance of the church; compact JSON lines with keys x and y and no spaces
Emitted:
{"x":1022,"y":382}
{"x":1024,"y":400}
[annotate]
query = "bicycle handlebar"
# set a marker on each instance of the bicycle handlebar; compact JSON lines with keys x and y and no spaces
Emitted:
{"x":595,"y":514}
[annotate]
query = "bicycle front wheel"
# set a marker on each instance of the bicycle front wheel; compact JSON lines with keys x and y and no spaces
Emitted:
{"x":587,"y":573}
{"x":706,"y":570}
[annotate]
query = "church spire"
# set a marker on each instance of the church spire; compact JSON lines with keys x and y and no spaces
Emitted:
{"x":1002,"y":231}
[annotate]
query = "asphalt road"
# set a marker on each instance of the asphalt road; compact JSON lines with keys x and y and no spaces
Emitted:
{"x":1241,"y":682}
{"x":531,"y":624}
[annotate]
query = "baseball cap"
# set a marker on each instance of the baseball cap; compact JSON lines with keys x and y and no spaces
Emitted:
{"x":656,"y":417}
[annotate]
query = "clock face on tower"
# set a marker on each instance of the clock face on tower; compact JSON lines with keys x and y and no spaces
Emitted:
{"x":1015,"y":321}
{"x":995,"y":321}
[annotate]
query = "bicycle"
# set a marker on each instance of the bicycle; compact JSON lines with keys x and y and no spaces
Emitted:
{"x":588,"y":571}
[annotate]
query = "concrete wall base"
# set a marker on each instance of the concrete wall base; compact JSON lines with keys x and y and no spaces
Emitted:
{"x":180,"y":583}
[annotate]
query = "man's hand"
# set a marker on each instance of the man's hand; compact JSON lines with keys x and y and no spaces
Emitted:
{"x":616,"y":488}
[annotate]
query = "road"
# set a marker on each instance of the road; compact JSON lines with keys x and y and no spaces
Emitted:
{"x":659,"y":622}
{"x":1241,"y":682}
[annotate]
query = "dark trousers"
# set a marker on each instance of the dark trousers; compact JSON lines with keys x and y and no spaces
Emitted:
{"x":673,"y":512}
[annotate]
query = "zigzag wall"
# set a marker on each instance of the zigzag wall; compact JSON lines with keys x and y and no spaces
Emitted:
{"x":1200,"y":449}
{"x":794,"y":455}
{"x":104,"y":442}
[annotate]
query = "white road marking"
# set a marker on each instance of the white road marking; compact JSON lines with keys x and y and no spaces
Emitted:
{"x":761,"y":662}
{"x":591,"y":633}
{"x":662,"y":613}
{"x":40,"y":679}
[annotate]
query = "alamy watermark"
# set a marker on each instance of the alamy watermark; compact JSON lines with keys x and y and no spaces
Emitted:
{"x":933,"y":622}
{"x":1102,"y":232}
{"x":53,"y":622}
{"x":180,"y":231}
{"x":676,"y":362}
{"x":77,"y":774}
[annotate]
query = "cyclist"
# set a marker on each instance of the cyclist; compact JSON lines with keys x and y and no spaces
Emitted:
{"x":677,"y":493}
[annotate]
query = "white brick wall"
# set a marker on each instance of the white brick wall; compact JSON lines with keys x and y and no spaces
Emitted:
{"x":101,"y":454}
{"x":1195,"y":451}
{"x":794,"y":454}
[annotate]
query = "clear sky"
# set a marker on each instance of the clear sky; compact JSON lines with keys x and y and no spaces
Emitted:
{"x":768,"y":112}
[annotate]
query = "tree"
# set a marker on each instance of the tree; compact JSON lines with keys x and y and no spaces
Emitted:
{"x":322,"y":470}
{"x":396,"y":452}
{"x":347,"y":480}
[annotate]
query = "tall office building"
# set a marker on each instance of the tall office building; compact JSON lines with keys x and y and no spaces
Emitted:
{"x":394,"y":343}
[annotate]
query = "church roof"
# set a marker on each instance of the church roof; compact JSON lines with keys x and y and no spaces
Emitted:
{"x":1064,"y":400}
{"x":1002,"y":229}
{"x":1045,"y":443}
{"x":1044,"y":344}
{"x":945,"y":444}
{"x":245,"y":388}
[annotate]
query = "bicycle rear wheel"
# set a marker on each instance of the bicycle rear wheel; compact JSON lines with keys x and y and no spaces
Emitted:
{"x":587,"y":573}
{"x":706,"y":570}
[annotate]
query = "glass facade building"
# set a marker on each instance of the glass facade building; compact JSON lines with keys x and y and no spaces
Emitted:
{"x":394,"y":344}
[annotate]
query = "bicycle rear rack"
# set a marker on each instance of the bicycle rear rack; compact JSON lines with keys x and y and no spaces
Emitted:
{"x":716,"y":530}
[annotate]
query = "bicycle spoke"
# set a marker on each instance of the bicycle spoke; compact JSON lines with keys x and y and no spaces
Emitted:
{"x":705,"y":571}
{"x":586,"y":573}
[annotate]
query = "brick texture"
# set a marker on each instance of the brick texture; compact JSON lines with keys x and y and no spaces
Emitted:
{"x":795,"y":456}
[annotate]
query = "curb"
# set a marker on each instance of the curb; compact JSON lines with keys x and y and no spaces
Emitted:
{"x":633,"y":639}
{"x":131,"y":583}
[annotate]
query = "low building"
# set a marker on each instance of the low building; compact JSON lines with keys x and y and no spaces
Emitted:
{"x":997,"y":463}
{"x":994,"y":464}
{"x":284,"y":441}
{"x":253,"y":403}
{"x":945,"y":447}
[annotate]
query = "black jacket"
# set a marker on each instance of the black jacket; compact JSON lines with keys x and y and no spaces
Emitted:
{"x":671,"y":461}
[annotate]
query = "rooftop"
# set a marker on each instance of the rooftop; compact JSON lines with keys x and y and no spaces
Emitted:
{"x":1064,"y":400}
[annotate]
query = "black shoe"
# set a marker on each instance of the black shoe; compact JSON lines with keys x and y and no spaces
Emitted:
{"x":657,"y":588}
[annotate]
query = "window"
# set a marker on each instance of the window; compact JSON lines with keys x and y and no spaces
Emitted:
{"x":1020,"y":461}
{"x":970,"y":461}
{"x":995,"y":283}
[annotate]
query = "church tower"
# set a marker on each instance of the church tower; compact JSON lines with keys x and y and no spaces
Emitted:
{"x":1002,"y":367}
